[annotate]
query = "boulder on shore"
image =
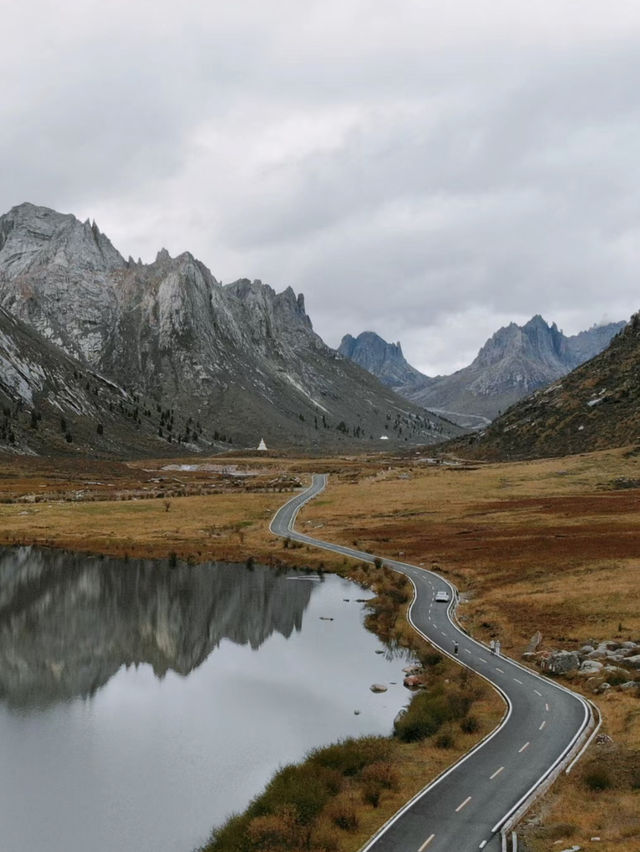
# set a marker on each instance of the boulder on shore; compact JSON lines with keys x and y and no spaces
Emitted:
{"x":590,"y":667}
{"x":534,"y":643}
{"x":561,"y":662}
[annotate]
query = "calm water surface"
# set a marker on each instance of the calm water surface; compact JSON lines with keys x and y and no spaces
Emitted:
{"x":140,"y":705}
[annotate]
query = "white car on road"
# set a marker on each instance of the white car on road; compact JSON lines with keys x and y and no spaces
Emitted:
{"x":442,"y":597}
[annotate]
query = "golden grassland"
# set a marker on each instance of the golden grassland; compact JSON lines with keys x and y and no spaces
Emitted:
{"x":141,"y":510}
{"x":547,"y":545}
{"x":550,"y":545}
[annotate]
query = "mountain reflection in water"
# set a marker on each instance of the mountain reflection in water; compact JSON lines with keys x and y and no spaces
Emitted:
{"x":69,"y":622}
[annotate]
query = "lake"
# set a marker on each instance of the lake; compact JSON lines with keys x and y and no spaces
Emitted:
{"x":141,"y":704}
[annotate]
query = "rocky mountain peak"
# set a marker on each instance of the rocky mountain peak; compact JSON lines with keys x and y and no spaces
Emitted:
{"x":384,"y":360}
{"x":266,"y":312}
{"x":57,"y":275}
{"x":31,"y":236}
{"x":535,"y":341}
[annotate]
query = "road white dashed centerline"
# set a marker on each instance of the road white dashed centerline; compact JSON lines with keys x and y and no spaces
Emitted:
{"x":462,"y":804}
{"x":526,"y":745}
{"x":426,"y":843}
{"x":497,"y":772}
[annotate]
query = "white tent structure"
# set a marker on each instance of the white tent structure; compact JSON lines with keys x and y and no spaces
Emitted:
{"x":262,"y":446}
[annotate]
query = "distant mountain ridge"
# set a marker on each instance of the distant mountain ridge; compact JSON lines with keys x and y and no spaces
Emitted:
{"x":191,"y":362}
{"x":596,"y":406}
{"x":513,"y":363}
{"x":384,"y":360}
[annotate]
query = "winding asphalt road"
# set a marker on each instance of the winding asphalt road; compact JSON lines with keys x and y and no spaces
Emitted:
{"x":465,"y":808}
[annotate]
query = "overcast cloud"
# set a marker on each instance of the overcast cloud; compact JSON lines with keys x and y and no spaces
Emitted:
{"x":428,"y":171}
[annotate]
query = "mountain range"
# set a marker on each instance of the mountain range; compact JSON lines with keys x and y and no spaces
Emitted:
{"x":513,"y":363}
{"x":596,"y":406}
{"x":113,"y":356}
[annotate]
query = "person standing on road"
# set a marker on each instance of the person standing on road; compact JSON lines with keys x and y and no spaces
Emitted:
{"x":497,"y":647}
{"x":455,"y":648}
{"x":492,"y":645}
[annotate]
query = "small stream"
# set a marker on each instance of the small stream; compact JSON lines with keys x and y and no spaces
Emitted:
{"x":142,"y":704}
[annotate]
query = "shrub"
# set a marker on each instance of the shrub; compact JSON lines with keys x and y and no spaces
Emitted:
{"x":371,"y":793}
{"x":445,"y":741}
{"x":230,"y":837}
{"x":325,"y":836}
{"x":343,"y":814}
{"x":469,"y":725}
{"x":377,"y":778}
{"x":275,"y":831}
{"x":425,"y":715}
{"x":598,"y":779}
{"x":430,"y":658}
{"x":381,"y":773}
{"x":305,"y":788}
{"x":350,"y":756}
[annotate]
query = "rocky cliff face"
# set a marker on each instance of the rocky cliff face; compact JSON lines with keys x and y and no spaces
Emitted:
{"x":384,"y":360}
{"x":68,"y":622}
{"x":595,"y":406}
{"x":56,"y":276}
{"x":204,"y":362}
{"x":51,"y":402}
{"x":513,"y":363}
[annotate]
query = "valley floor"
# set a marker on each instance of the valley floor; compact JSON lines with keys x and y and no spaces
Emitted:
{"x":548,"y":545}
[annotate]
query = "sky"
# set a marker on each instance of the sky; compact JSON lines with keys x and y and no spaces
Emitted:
{"x":426,"y":170}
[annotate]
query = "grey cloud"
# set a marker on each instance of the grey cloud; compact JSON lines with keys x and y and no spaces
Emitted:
{"x":429,"y":174}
